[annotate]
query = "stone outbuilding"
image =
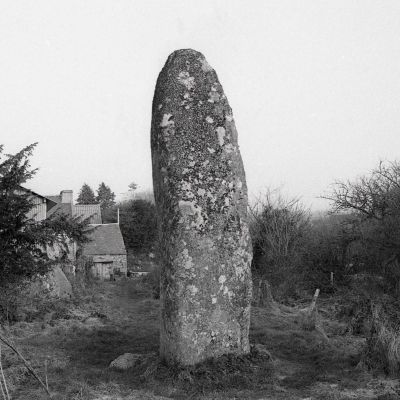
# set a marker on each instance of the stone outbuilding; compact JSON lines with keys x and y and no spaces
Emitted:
{"x":106,"y":249}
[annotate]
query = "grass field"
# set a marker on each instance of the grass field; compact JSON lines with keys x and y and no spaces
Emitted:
{"x":117,"y":317}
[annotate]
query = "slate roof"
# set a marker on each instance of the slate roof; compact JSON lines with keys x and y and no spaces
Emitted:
{"x":27,"y":190}
{"x":60,"y":208}
{"x":91,"y":211}
{"x":32,"y":192}
{"x":105,"y":239}
{"x":55,"y":199}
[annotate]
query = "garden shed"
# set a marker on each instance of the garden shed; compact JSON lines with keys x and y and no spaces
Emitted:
{"x":106,"y":249}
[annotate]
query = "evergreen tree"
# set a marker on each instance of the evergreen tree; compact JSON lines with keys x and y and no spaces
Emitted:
{"x":23,"y":241}
{"x":86,"y":195}
{"x":105,"y":196}
{"x":138,"y":224}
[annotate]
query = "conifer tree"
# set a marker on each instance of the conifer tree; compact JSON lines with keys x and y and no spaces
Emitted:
{"x":105,"y":196}
{"x":23,"y":241}
{"x":86,"y":195}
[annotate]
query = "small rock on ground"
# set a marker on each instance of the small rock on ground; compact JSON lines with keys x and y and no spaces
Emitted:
{"x":125,"y":361}
{"x":261,"y":350}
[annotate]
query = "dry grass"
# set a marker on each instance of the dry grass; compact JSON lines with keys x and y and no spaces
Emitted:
{"x":113,"y":318}
{"x":383,"y":345}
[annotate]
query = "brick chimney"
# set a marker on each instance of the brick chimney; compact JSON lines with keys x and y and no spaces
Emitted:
{"x":66,"y":196}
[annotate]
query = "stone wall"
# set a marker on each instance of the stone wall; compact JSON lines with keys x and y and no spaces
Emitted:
{"x":120,"y":261}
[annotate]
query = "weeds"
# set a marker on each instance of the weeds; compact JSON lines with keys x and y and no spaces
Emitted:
{"x":229,"y":371}
{"x":152,"y":281}
{"x":383,"y":345}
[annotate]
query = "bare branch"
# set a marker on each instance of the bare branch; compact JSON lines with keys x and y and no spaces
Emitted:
{"x":27,"y":365}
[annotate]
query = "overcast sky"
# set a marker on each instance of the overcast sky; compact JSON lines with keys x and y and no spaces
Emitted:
{"x":314,"y":86}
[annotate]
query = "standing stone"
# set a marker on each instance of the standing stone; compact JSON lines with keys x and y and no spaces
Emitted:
{"x":201,"y":199}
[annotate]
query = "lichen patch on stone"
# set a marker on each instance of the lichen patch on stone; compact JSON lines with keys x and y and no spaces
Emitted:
{"x":213,"y":97}
{"x":209,"y":119}
{"x":185,"y":259}
{"x":230,"y":148}
{"x":185,"y":79}
{"x":222,"y":279}
{"x":187,"y":207}
{"x":166,"y":121}
{"x":192,"y":289}
{"x":221,"y":135}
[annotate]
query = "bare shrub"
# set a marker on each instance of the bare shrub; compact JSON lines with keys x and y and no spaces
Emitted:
{"x":279,"y":228}
{"x":327,"y":252}
{"x":372,"y":206}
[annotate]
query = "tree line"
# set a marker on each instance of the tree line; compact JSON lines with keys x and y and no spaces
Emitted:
{"x":360,"y":234}
{"x":105,"y":197}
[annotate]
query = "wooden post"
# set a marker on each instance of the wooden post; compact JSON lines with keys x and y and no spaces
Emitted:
{"x":314,"y":300}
